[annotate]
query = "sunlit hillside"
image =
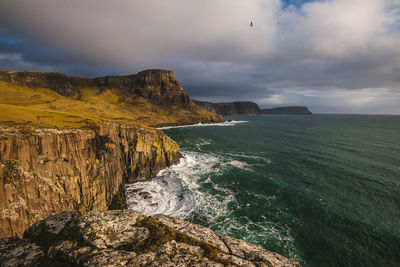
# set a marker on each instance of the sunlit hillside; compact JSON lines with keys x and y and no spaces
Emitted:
{"x":45,"y":107}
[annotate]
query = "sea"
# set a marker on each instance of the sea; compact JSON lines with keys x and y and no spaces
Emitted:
{"x":322,"y":189}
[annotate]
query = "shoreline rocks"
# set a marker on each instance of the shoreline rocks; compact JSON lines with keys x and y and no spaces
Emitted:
{"x":129,"y":238}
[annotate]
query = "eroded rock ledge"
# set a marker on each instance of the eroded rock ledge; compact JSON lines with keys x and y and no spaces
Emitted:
{"x":128,"y":238}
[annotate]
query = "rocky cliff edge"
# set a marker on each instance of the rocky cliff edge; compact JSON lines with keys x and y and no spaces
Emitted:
{"x":43,"y":171}
{"x":128,"y":238}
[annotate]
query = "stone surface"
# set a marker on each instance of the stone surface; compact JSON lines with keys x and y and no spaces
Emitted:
{"x":256,"y":254}
{"x":114,"y":229}
{"x":196,"y":231}
{"x":116,"y":238}
{"x":43,"y":171}
{"x":17,"y":252}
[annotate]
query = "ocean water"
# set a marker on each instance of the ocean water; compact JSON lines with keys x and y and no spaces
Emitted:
{"x":323,"y":189}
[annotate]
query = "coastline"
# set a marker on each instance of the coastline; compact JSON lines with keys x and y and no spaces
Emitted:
{"x":225,"y":123}
{"x":230,"y":250}
{"x":64,"y":157}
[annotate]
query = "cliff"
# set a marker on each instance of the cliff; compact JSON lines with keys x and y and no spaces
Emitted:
{"x":128,"y":238}
{"x":43,"y":171}
{"x":159,"y":86}
{"x":151,"y":97}
{"x":230,"y":108}
{"x":287,"y":110}
{"x":71,"y":143}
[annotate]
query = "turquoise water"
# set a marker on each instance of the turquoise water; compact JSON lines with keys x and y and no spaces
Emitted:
{"x":323,"y":189}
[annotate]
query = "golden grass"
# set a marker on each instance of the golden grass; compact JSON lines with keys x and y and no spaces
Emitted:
{"x":44,"y":107}
{"x":12,"y":114}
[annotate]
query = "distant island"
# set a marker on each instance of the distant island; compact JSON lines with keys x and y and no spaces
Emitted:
{"x":249,"y":108}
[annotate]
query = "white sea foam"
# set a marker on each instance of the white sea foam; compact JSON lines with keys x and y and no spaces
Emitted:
{"x":226,"y":123}
{"x":240,"y":165}
{"x":174,"y":191}
{"x":202,"y":142}
{"x":187,"y":189}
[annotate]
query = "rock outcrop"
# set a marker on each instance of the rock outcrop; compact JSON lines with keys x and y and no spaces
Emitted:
{"x":152,"y":97}
{"x":128,"y":238}
{"x":294,"y":110}
{"x":230,"y":108}
{"x":159,"y":86}
{"x":43,"y":171}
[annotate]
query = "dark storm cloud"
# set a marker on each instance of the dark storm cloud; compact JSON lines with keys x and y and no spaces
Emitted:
{"x":18,"y":53}
{"x":332,"y":55}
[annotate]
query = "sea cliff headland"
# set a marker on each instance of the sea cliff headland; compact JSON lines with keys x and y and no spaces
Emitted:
{"x":70,"y":143}
{"x":249,"y":108}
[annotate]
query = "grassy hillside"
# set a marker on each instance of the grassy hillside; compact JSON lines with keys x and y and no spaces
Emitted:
{"x":47,"y":108}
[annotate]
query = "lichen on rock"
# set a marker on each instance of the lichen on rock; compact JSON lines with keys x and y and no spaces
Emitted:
{"x":128,"y":238}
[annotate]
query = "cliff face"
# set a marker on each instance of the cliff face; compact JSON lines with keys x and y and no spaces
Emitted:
{"x":249,"y":108}
{"x":230,"y":108}
{"x":43,"y":171}
{"x":159,"y":86}
{"x":287,"y":110}
{"x":128,"y":238}
{"x":151,"y":97}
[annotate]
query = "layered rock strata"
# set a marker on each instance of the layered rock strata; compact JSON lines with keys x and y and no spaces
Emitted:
{"x":128,"y":238}
{"x":159,"y":86}
{"x":43,"y":171}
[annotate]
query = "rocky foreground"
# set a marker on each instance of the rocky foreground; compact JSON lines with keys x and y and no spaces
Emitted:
{"x":128,"y":238}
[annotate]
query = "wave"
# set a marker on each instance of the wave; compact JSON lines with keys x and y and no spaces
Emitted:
{"x":188,"y":191}
{"x":226,"y":123}
{"x":174,"y":191}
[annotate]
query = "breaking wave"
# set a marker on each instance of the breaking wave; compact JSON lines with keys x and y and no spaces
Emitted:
{"x":174,"y":191}
{"x":188,"y":191}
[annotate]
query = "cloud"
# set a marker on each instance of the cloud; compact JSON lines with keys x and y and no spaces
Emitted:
{"x":294,"y":47}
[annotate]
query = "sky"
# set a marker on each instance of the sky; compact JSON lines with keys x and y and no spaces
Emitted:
{"x":334,"y":56}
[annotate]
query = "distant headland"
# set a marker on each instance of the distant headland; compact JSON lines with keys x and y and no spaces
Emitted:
{"x":250,"y":108}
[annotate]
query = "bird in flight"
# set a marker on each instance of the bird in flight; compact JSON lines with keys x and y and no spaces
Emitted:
{"x":251,"y":24}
